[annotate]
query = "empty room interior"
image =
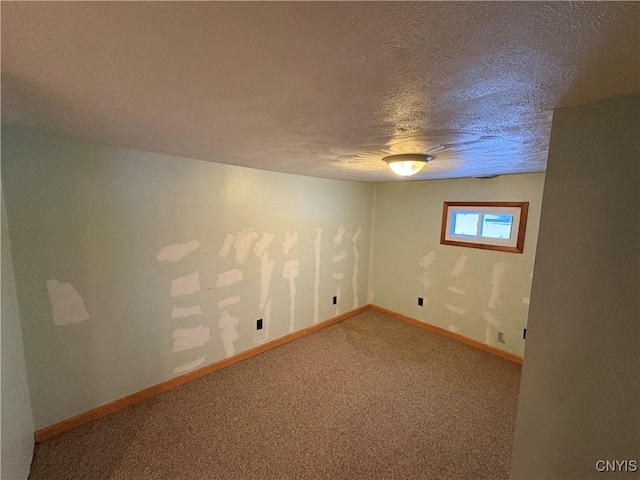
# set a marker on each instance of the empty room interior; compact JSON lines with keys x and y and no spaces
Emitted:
{"x":304,"y":240}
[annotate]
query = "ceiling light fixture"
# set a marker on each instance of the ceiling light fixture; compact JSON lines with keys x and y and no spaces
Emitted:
{"x":407,"y":164}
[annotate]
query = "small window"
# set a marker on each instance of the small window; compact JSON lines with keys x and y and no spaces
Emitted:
{"x":489,"y":225}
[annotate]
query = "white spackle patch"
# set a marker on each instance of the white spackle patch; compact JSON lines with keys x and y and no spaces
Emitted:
{"x":291,"y":272}
{"x":337,"y":239}
{"x":454,"y":328}
{"x":459,"y":266}
{"x":289,"y":241}
{"x":337,"y":276}
{"x":497,"y":273}
{"x":491,"y":319}
{"x":455,"y":310}
{"x":181,"y":312}
{"x":185,"y":285}
{"x":186,"y":338}
{"x":267,"y":318}
{"x":426,"y":260}
{"x":457,"y":290}
{"x":291,"y":269}
{"x":243,"y":244}
{"x":338,"y":295}
{"x":177,"y":251}
{"x":226,"y":246}
{"x":492,"y":323}
{"x":427,"y":283}
{"x":356,"y":235}
{"x":228,"y":278}
{"x":185,"y":367}
{"x":228,"y":333}
{"x":316,"y":280}
{"x":339,"y":257}
{"x":354,"y":277}
{"x":261,"y":246}
{"x":266,"y":272}
{"x":66,"y":303}
{"x":526,"y":300}
{"x":226,"y":302}
{"x":496,"y":278}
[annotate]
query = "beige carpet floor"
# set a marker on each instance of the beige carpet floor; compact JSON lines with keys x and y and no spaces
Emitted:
{"x":368,"y":398}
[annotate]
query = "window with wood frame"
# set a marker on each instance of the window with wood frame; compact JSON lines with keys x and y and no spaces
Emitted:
{"x":489,"y":225}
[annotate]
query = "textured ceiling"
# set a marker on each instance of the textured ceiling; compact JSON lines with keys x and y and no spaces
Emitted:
{"x":323,"y":89}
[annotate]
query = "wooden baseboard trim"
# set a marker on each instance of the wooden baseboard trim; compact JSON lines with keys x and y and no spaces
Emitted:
{"x":69,"y":424}
{"x":446,"y":333}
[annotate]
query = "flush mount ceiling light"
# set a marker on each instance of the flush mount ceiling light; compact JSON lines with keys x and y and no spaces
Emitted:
{"x":407,"y":164}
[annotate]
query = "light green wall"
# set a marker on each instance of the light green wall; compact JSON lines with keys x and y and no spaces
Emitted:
{"x":16,"y":438}
{"x":408,"y":217}
{"x":97,"y":216}
{"x":580,"y":391}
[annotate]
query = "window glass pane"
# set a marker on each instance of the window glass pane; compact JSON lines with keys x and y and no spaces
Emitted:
{"x":497,"y":226}
{"x":464,"y":223}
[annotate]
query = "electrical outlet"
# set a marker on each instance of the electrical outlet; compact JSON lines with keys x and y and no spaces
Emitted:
{"x":335,"y":300}
{"x":420,"y":301}
{"x":259,"y":324}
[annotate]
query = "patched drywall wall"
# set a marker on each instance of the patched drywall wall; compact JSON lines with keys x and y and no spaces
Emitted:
{"x":133,"y":267}
{"x":579,"y":406}
{"x":480,"y":294}
{"x":17,"y":422}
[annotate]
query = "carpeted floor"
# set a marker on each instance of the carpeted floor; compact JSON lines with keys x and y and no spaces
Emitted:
{"x":368,"y":398}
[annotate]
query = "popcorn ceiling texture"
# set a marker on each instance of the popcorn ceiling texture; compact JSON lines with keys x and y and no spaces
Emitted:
{"x":321,"y":89}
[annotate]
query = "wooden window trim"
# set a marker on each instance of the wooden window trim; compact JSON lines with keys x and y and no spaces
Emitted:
{"x":522,"y":226}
